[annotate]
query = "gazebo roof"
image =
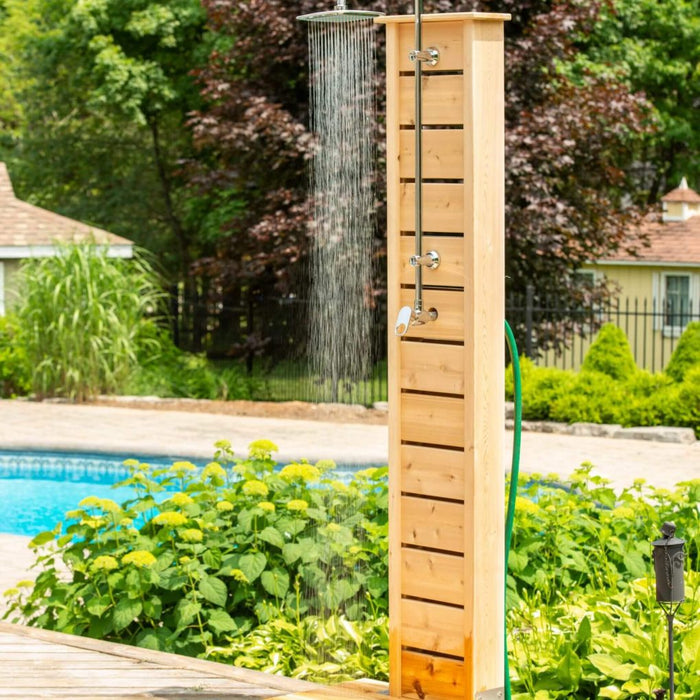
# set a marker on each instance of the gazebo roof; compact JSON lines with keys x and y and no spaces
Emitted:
{"x":27,"y":230}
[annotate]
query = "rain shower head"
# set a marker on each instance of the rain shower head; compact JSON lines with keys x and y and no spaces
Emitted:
{"x":339,"y":14}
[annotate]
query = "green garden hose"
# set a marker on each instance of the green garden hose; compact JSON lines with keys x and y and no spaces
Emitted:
{"x":514,"y":471}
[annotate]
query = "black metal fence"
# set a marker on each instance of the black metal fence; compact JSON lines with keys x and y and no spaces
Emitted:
{"x":553,"y":335}
{"x":268,"y":337}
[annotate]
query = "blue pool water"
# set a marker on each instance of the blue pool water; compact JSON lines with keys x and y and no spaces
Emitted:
{"x":38,"y":488}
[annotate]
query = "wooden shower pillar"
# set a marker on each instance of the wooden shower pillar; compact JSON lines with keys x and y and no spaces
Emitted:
{"x":446,"y":378}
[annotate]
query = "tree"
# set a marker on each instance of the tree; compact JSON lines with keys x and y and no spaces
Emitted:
{"x":104,"y":89}
{"x":569,"y":142}
{"x":654,"y":47}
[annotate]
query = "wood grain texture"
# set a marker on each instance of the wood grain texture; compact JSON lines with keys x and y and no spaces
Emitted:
{"x":443,"y":207}
{"x":433,"y":420}
{"x":442,"y":100}
{"x":431,"y":471}
{"x":433,"y":576}
{"x":436,"y":677}
{"x":432,"y":524}
{"x":443,"y":154}
{"x":432,"y":367}
{"x":433,"y":627}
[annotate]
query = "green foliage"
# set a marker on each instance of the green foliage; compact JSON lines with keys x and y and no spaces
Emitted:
{"x":15,"y":377}
{"x":237,"y":546}
{"x":583,"y":617}
{"x":681,"y":403}
{"x":686,"y":354}
{"x":166,"y":371}
{"x":82,"y":317}
{"x":610,"y":354}
{"x":541,"y":388}
{"x":610,"y":389}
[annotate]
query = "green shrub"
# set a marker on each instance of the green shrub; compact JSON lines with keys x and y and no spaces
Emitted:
{"x":15,"y":377}
{"x":686,"y":354}
{"x":236,"y":546}
{"x":681,"y":405}
{"x":541,"y":388}
{"x":591,"y":398}
{"x":170,"y":372}
{"x":610,"y":354}
{"x":82,"y":317}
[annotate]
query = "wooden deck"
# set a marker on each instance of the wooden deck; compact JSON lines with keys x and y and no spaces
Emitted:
{"x":36,"y":663}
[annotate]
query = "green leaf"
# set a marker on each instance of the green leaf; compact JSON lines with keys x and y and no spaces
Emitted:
{"x":214,"y":590}
{"x":252,"y":565}
{"x":125,"y":612}
{"x":611,"y":691}
{"x":42,"y":538}
{"x":583,"y":633}
{"x":153,"y":607}
{"x":149,"y":640}
{"x":569,"y":670}
{"x":275,"y":582}
{"x":221,"y":621}
{"x":291,"y":552}
{"x":611,"y":666}
{"x":97,"y":606}
{"x":272,"y":536}
{"x":185,"y":612}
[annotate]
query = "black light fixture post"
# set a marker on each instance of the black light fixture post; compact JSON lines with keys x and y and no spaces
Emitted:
{"x":669,"y":558}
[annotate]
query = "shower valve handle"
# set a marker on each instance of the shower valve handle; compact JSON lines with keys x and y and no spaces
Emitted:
{"x":430,"y":56}
{"x":403,"y":321}
{"x":431,"y":260}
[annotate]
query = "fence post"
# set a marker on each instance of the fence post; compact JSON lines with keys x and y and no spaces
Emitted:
{"x":529,"y":325}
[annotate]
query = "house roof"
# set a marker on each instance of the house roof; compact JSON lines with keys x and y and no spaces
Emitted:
{"x":669,"y":242}
{"x":666,"y":242}
{"x":682,"y":193}
{"x":26,"y":230}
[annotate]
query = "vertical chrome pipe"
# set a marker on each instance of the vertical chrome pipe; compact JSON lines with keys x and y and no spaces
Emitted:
{"x":418,"y":151}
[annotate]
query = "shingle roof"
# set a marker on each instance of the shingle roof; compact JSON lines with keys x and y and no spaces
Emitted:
{"x":25,"y":225}
{"x":675,"y":242}
{"x":683,"y":193}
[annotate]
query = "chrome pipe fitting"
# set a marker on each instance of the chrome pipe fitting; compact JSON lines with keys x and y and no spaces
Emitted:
{"x":431,"y":260}
{"x":429,"y":56}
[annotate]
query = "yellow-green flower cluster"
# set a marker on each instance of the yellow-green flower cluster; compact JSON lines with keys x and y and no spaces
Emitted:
{"x":105,"y":504}
{"x":181,"y":499}
{"x":300,"y":472}
{"x":140,"y":558}
{"x":192,"y":535}
{"x":105,"y":563}
{"x":267,"y":506}
{"x":182,"y":468}
{"x":255,"y":488}
{"x":239,"y":576}
{"x":224,"y":506}
{"x":262,"y":448}
{"x":170,"y":517}
{"x":297,"y":505}
{"x":215,"y":471}
{"x":525,"y":505}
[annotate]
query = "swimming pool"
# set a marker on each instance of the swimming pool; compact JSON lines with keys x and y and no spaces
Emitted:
{"x":38,"y":488}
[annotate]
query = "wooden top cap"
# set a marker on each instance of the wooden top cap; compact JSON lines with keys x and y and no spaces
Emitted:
{"x":446,"y":17}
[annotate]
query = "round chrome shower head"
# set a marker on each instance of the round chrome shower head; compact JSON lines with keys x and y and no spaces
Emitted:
{"x":339,"y":14}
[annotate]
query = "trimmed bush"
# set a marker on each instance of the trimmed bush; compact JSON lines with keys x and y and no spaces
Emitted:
{"x":610,"y":354}
{"x":541,"y":386}
{"x":687,"y":353}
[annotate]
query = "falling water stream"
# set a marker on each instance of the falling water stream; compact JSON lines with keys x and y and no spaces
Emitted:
{"x":343,"y":111}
